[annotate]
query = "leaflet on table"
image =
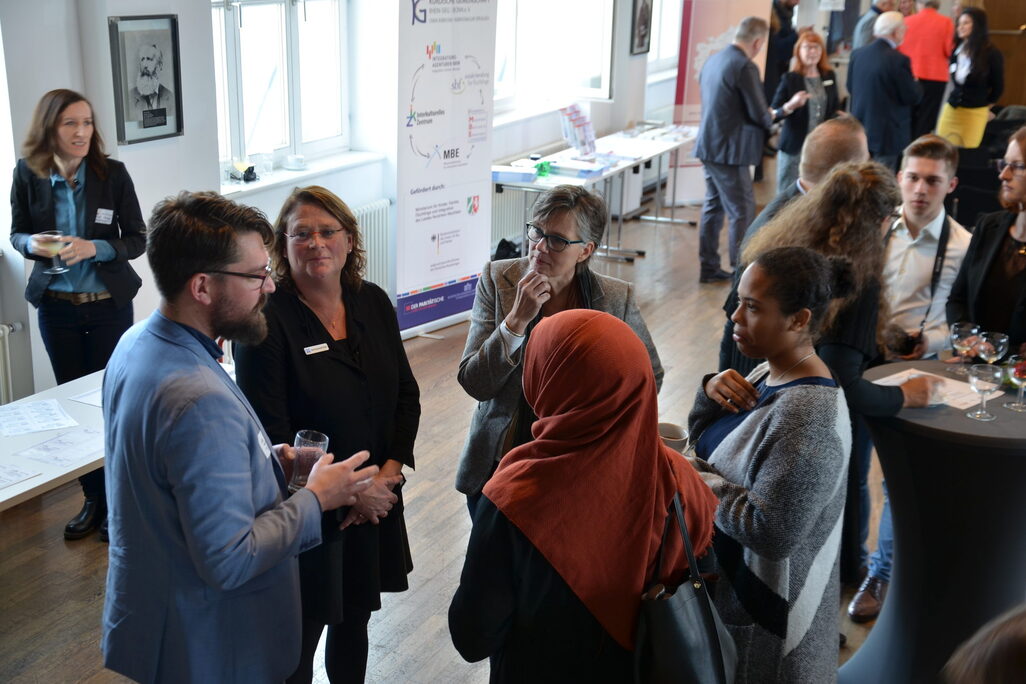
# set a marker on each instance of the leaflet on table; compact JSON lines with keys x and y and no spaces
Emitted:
{"x":954,"y":393}
{"x":92,"y":397}
{"x":67,"y":449}
{"x":33,"y":416}
{"x":12,"y":474}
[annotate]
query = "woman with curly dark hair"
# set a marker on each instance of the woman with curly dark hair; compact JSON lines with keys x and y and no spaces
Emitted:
{"x":977,"y":81}
{"x":847,"y":215}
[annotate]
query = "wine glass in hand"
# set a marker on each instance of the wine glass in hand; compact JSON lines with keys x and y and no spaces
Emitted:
{"x":991,"y":346}
{"x":963,"y":338}
{"x":52,"y":242}
{"x":1015,"y":371}
{"x":984,"y":379}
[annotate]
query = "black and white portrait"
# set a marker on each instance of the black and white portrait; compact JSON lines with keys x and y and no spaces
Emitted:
{"x":641,"y":27}
{"x":147,"y":79}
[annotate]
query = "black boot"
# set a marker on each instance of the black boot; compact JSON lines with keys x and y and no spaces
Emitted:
{"x":104,"y":531}
{"x":94,"y":512}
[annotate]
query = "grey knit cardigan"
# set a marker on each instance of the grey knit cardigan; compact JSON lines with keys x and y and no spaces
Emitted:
{"x":780,"y":478}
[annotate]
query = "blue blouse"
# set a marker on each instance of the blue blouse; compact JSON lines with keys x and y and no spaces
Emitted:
{"x":69,"y":207}
{"x":718,"y":431}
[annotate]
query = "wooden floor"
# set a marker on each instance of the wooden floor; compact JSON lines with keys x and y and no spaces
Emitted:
{"x":51,"y":591}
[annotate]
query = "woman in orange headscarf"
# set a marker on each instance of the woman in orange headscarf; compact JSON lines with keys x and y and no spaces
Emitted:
{"x":567,"y":533}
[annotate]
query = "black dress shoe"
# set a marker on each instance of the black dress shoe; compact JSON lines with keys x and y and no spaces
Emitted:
{"x":716,"y":276}
{"x":94,"y":512}
{"x":104,"y":532}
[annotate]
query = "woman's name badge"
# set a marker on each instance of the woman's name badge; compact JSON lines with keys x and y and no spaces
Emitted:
{"x":316,"y":349}
{"x":105,"y":216}
{"x":827,"y":83}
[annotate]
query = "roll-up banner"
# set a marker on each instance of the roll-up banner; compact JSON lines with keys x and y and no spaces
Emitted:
{"x":444,"y":210}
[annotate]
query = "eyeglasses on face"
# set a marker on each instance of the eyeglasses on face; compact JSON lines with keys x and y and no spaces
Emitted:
{"x":303,"y":236}
{"x":556,"y":243}
{"x":263,"y":277}
{"x":1018,"y":167}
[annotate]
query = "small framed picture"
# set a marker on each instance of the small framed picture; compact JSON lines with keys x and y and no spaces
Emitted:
{"x":641,"y":27}
{"x":147,"y":77}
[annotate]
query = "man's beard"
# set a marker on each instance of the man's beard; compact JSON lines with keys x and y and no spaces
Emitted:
{"x":249,"y":328}
{"x":147,"y":84}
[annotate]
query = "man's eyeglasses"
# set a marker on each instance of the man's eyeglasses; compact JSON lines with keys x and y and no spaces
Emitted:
{"x":1018,"y":167}
{"x":556,"y":243}
{"x":301,"y":237}
{"x":261,"y":277}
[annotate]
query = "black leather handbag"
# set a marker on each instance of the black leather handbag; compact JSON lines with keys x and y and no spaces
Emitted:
{"x":680,"y":637}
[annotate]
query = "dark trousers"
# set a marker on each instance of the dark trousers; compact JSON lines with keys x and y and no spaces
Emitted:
{"x":924,"y":115}
{"x":79,"y":339}
{"x":728,"y":190}
{"x":345,"y":651}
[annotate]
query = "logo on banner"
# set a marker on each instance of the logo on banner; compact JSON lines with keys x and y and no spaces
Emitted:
{"x":473,"y":204}
{"x":418,"y":14}
{"x":411,"y":119}
{"x":433,"y":49}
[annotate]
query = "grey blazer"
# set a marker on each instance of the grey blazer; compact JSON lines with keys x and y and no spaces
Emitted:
{"x":735,"y":117}
{"x":203,"y":583}
{"x":496,"y":381}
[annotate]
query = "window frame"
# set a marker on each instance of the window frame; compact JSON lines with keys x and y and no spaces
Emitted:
{"x":233,"y":11}
{"x":668,"y":63}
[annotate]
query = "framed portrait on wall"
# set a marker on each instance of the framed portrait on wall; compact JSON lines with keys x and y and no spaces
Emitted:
{"x":147,"y":77}
{"x":641,"y":27}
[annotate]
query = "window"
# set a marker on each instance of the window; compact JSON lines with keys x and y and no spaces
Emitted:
{"x":533,"y":35}
{"x":279,"y":76}
{"x":666,"y":18}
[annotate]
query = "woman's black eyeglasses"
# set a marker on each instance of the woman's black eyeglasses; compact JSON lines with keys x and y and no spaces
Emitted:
{"x":262,"y":278}
{"x":554,"y":242}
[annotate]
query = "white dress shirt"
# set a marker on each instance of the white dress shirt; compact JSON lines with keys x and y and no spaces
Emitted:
{"x":908,"y":267}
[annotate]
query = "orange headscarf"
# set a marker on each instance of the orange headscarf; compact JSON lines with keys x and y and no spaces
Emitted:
{"x":591,"y":491}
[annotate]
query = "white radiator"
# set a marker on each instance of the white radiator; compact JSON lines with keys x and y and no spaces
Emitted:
{"x":508,"y":216}
{"x":6,"y":373}
{"x":374,"y":225}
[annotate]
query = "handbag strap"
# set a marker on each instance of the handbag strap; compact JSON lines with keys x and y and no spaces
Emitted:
{"x":692,"y":563}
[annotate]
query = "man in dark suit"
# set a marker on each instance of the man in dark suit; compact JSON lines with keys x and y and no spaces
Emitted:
{"x":883,"y":90}
{"x":735,"y":119}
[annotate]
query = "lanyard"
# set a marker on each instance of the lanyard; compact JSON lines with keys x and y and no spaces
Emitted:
{"x":938,"y":260}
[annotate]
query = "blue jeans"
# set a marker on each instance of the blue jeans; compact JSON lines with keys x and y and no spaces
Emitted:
{"x":79,"y":339}
{"x":728,"y":190}
{"x":881,"y":560}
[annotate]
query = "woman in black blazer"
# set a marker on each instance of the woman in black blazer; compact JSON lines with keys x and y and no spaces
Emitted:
{"x":810,"y":74}
{"x":990,"y":288}
{"x":333,"y":361}
{"x":83,"y":312}
{"x":977,"y":81}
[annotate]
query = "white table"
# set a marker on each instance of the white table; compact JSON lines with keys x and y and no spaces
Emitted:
{"x":51,"y":476}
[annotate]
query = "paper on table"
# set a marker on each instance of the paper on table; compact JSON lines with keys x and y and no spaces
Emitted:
{"x":11,"y":474}
{"x":68,"y":449}
{"x":92,"y":397}
{"x":33,"y":416}
{"x":954,"y":393}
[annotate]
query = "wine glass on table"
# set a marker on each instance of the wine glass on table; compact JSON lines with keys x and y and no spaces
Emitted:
{"x":963,"y":339}
{"x":984,"y":379}
{"x":991,"y":346}
{"x":1015,"y":371}
{"x":52,"y":241}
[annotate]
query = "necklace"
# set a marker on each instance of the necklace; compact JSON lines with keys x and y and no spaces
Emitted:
{"x":784,"y":374}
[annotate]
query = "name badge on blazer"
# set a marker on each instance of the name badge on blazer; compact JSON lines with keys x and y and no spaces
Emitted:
{"x":105,"y":216}
{"x":827,"y":83}
{"x":264,"y":446}
{"x":316,"y":349}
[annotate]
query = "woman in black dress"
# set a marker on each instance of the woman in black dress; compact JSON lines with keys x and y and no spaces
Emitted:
{"x":333,"y":361}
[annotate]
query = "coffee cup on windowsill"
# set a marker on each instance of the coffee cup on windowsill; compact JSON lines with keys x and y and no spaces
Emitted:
{"x":294,"y":162}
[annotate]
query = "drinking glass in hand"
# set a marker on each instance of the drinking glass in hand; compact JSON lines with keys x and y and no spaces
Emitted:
{"x":52,"y":241}
{"x":984,"y":379}
{"x":1015,"y":371}
{"x":991,"y":346}
{"x":310,"y":446}
{"x":963,"y":339}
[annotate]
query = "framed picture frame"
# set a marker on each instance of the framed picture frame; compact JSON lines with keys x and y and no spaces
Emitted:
{"x":147,"y":77}
{"x":641,"y":27}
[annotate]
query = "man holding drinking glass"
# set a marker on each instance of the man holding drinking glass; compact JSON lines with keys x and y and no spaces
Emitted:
{"x":203,"y":583}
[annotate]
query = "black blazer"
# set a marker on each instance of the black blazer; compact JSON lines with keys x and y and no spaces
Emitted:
{"x":32,"y":212}
{"x":796,"y":125}
{"x":964,"y":302}
{"x":982,"y":87}
{"x":883,"y":92}
{"x":362,"y":394}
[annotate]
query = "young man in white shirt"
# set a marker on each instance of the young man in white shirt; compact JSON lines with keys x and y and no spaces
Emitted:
{"x":918,"y":280}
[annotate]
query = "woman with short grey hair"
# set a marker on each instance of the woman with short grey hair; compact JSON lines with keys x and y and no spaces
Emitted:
{"x":513,"y":295}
